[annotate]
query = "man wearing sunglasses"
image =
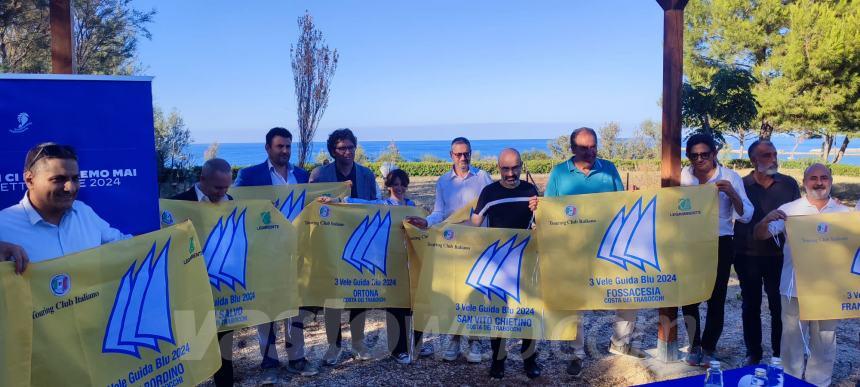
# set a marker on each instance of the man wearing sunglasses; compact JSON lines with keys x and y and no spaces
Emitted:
{"x":49,"y":222}
{"x":454,"y":190}
{"x":734,"y":205}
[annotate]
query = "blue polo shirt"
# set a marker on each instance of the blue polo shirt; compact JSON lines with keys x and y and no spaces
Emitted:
{"x":566,"y":179}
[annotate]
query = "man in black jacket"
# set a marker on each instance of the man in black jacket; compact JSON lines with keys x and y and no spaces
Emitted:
{"x":215,"y":179}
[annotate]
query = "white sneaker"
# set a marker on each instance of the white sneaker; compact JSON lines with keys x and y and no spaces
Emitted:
{"x":453,"y":350}
{"x":427,"y":350}
{"x":474,"y":355}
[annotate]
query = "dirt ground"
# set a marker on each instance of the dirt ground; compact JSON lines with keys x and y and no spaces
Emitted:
{"x":601,"y":368}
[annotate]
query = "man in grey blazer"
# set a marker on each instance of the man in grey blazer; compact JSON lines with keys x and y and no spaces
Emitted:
{"x":341,"y":146}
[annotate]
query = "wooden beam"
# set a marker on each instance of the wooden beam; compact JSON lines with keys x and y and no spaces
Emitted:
{"x":670,"y":164}
{"x":61,"y":37}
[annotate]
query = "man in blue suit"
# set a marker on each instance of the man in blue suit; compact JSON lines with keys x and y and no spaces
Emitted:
{"x":277,"y":170}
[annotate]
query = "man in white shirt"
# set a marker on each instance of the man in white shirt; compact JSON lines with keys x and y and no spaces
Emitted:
{"x":48,"y":222}
{"x":734,"y":205}
{"x":277,"y":170}
{"x":455,"y":190}
{"x":821,"y":340}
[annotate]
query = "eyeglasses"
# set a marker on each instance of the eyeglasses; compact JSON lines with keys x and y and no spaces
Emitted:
{"x":699,"y":156}
{"x":345,"y":149}
{"x":50,"y":150}
{"x":461,"y":155}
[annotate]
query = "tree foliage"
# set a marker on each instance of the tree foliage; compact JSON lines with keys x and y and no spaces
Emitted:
{"x":805,"y":55}
{"x":390,"y":154}
{"x":313,"y":66}
{"x":725,"y":106}
{"x":172,"y":139}
{"x":105,"y":34}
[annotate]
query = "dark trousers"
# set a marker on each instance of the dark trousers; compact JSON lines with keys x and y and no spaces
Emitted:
{"x":356,"y":325}
{"x":528,"y":350}
{"x":224,"y":376}
{"x":396,"y":328}
{"x":755,"y":272}
{"x":716,"y":304}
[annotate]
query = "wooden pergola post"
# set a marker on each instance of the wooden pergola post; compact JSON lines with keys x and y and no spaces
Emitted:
{"x":670,"y":164}
{"x":62,"y":57}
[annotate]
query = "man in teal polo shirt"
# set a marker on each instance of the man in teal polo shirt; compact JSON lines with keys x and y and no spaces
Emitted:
{"x":584,"y":173}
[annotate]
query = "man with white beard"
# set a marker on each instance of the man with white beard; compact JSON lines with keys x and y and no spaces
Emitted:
{"x":760,"y":262}
{"x":821,"y":340}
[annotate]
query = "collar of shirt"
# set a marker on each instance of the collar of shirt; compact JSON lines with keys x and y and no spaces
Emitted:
{"x":750,"y":180}
{"x":33,"y":215}
{"x":571,"y":166}
{"x":473,"y":171}
{"x":688,"y":178}
{"x":201,"y":197}
{"x":282,"y":180}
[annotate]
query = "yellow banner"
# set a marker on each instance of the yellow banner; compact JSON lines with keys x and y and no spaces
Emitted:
{"x":462,"y":215}
{"x":291,"y":199}
{"x":250,"y":254}
{"x":628,"y":250}
{"x":481,"y":282}
{"x":353,"y":256}
{"x":825,"y":250}
{"x":16,"y":327}
{"x":135,"y":312}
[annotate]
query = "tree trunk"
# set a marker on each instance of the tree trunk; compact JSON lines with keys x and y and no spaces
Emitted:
{"x":841,"y":150}
{"x":741,"y":140}
{"x":766,"y":131}
{"x":826,"y":146}
{"x":800,"y":139}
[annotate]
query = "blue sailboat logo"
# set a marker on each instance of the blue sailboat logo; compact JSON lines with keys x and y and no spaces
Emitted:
{"x":497,"y":270}
{"x":226,"y":251}
{"x":291,"y":207}
{"x":631,"y":238}
{"x":855,"y":268}
{"x":140,"y":315}
{"x":367,"y":247}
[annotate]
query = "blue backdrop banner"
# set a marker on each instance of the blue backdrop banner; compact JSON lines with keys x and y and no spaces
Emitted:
{"x":109,"y":122}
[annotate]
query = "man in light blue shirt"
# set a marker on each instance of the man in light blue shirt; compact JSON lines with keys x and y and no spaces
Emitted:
{"x":48,"y":222}
{"x":584,"y":173}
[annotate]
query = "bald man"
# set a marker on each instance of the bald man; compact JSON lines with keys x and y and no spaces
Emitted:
{"x":817,"y":182}
{"x":505,"y":204}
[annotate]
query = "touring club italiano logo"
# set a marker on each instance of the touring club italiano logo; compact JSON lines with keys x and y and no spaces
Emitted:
{"x":61,"y":284}
{"x":631,"y":238}
{"x":226,"y":251}
{"x":498,"y":269}
{"x":140,"y":316}
{"x":367,"y":247}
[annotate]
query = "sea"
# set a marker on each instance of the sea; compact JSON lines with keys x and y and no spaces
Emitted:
{"x":243,"y":154}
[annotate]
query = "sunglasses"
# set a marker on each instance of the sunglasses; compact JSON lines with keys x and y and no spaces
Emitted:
{"x":50,"y":151}
{"x":701,"y":156}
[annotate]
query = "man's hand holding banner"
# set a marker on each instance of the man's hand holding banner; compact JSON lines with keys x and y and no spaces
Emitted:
{"x":825,"y":250}
{"x":250,"y":254}
{"x":141,"y":306}
{"x":628,"y":250}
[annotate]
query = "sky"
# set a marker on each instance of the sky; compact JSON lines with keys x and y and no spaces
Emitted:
{"x":410,"y":70}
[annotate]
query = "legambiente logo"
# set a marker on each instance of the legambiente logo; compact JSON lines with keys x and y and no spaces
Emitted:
{"x":291,"y":208}
{"x":497,"y":271}
{"x":140,"y":315}
{"x":631,"y":238}
{"x":226,"y":251}
{"x":367,"y":247}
